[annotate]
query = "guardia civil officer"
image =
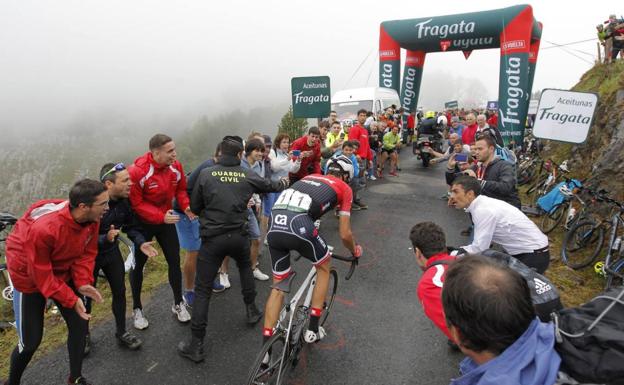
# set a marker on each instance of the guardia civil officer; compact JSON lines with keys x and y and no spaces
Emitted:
{"x":220,"y":198}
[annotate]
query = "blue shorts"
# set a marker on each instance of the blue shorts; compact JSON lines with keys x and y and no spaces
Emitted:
{"x":188,"y":233}
{"x":268,"y":201}
{"x":253,"y":228}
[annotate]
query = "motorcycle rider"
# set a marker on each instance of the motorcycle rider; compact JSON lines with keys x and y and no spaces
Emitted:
{"x":427,"y":126}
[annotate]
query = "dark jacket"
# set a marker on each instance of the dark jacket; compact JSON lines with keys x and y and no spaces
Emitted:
{"x":120,"y":215}
{"x":190,"y":181}
{"x":428,"y":126}
{"x":499,"y":182}
{"x":221,"y":194}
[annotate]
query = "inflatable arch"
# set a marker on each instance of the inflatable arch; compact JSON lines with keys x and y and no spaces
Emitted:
{"x":512,"y":29}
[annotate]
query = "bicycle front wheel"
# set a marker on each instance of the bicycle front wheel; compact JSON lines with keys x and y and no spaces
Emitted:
{"x":615,"y":278}
{"x":551,"y":220}
{"x":332,"y":287}
{"x":582,"y":244}
{"x":272,"y":362}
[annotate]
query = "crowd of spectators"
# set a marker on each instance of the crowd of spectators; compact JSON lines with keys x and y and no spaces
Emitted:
{"x":611,"y":37}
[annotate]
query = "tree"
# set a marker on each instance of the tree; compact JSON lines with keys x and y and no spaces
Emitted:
{"x":294,"y":127}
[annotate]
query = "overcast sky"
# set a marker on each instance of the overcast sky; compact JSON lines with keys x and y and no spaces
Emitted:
{"x":62,"y":58}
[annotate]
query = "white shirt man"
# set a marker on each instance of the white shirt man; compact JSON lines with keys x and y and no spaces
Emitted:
{"x":496,"y":221}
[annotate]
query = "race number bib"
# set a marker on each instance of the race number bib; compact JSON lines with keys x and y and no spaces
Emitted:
{"x":293,"y":200}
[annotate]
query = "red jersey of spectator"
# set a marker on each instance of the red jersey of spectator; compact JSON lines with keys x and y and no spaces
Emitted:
{"x":154,"y":186}
{"x":47,"y":249}
{"x":360,"y":134}
{"x":311,"y":164}
{"x":411,"y":122}
{"x":493,"y":120}
{"x":429,"y":291}
{"x":468,"y":134}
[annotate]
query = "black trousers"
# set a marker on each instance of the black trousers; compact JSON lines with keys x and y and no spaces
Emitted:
{"x":538,"y":260}
{"x":211,"y":254}
{"x":167,"y":238}
{"x":29,"y":310}
{"x":112,"y":264}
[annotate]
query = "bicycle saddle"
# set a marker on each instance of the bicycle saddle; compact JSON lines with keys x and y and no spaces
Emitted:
{"x":285,"y":284}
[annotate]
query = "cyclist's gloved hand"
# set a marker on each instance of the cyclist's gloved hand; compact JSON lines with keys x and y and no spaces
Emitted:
{"x":358,"y":251}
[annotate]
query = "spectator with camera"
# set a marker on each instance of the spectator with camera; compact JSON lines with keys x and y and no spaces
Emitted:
{"x":497,"y":177}
{"x":308,"y":147}
{"x":490,"y":315}
{"x":498,"y":222}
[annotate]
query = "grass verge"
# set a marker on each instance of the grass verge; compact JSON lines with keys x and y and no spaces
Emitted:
{"x":55,"y":331}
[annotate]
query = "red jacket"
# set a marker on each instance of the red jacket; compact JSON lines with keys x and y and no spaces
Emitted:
{"x":411,"y":122}
{"x":468,"y":134}
{"x":360,"y":134}
{"x":47,"y":249}
{"x":430,"y":291}
{"x":312,"y":162}
{"x":154,"y":186}
{"x":493,"y":120}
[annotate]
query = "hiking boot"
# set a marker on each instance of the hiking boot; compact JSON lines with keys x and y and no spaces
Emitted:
{"x":180,"y":311}
{"x":79,"y":380}
{"x":129,"y":340}
{"x":312,"y":337}
{"x":87,"y":347}
{"x":193,"y":350}
{"x":253,"y":314}
{"x":140,"y":322}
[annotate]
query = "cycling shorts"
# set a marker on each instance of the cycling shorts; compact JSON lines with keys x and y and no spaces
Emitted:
{"x":388,"y":150}
{"x":294,"y":231}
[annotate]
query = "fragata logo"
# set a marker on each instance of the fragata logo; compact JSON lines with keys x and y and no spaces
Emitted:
{"x":387,"y":75}
{"x":444,"y":30}
{"x":310,"y":99}
{"x":408,"y":88}
{"x":445,"y":44}
{"x":514,"y":44}
{"x":510,"y":113}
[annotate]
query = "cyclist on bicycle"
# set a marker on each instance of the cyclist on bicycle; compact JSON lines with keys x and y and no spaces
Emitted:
{"x":292,"y":228}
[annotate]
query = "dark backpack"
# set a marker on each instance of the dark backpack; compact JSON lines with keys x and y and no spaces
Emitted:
{"x":590,"y":339}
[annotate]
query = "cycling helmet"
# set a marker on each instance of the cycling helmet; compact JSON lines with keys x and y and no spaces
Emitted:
{"x":442,"y":120}
{"x":342,"y":165}
{"x":430,"y":114}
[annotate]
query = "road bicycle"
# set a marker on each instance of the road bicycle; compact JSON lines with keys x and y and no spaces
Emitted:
{"x":6,"y":221}
{"x":584,"y":242}
{"x":280,"y":354}
{"x":573,"y":213}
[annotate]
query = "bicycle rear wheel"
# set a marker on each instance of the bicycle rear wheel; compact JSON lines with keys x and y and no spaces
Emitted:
{"x":582,"y":244}
{"x":265,"y":371}
{"x":616,"y":278}
{"x":551,"y":220}
{"x":332,"y":287}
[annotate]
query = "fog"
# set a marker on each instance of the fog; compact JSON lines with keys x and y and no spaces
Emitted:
{"x":163,"y":64}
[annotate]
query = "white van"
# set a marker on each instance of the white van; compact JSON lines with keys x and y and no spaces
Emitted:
{"x":346,"y":103}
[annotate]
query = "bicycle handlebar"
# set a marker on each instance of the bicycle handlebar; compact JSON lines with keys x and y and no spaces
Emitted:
{"x":354,"y":262}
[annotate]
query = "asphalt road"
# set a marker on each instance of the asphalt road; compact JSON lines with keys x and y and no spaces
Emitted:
{"x":377,"y":332}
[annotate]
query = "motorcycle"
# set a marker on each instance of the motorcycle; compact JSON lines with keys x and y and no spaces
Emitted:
{"x":422,"y":148}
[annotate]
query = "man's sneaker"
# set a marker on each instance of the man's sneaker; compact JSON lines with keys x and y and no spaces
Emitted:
{"x":259,"y":275}
{"x":317,"y":223}
{"x":355,"y":206}
{"x":217,"y":287}
{"x":266,"y":241}
{"x":189,"y":297}
{"x":193,"y":350}
{"x":363,"y":206}
{"x":393,"y":173}
{"x":225,"y":280}
{"x":180,"y":311}
{"x":253,"y":314}
{"x":372,"y":177}
{"x":129,"y":340}
{"x":312,"y":337}
{"x":79,"y":380}
{"x":140,"y":322}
